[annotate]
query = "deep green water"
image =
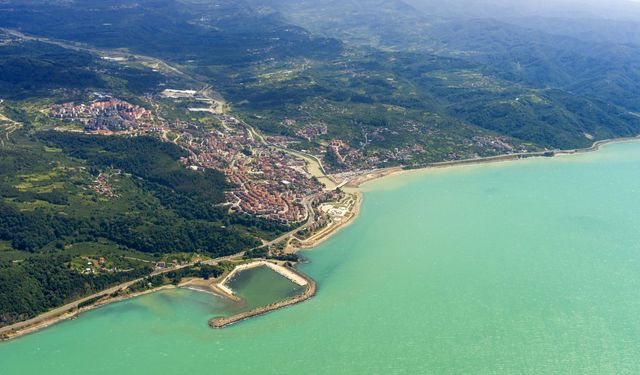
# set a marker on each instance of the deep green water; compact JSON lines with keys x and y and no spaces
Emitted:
{"x":530,"y":267}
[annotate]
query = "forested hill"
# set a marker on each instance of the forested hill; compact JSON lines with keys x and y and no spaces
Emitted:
{"x":32,"y":69}
{"x":363,"y":84}
{"x":221,"y":32}
{"x":161,"y":207}
{"x":53,"y":218}
{"x":371,"y":71}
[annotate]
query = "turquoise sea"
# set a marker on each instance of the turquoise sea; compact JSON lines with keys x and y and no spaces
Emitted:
{"x":528,"y":267}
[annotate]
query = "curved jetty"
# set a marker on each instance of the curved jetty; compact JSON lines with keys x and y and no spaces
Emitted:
{"x":284,"y":271}
{"x":291,"y":274}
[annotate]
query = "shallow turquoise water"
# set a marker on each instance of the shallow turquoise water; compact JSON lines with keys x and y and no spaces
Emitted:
{"x":261,"y":286}
{"x":531,"y":267}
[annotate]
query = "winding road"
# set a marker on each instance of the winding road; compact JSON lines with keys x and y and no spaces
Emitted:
{"x":316,"y":170}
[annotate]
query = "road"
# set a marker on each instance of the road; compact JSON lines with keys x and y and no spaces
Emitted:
{"x":64,"y":309}
{"x":311,"y":218}
{"x":145,"y":60}
{"x":74,"y":305}
{"x":10,"y":128}
{"x":316,"y":170}
{"x":314,"y":165}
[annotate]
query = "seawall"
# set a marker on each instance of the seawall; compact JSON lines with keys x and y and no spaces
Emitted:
{"x":284,"y":271}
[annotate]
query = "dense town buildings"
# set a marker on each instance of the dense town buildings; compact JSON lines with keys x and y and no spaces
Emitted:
{"x":268,"y":182}
{"x":106,"y":114}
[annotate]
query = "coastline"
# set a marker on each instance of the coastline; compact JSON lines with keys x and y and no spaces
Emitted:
{"x":359,"y":181}
{"x":212,"y":286}
{"x":326,"y":233}
{"x":352,"y":186}
{"x":71,"y":315}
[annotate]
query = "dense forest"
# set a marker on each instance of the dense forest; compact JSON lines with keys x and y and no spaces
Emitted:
{"x":148,"y":158}
{"x":35,"y":69}
{"x":172,"y":30}
{"x":188,"y":220}
{"x":45,"y":281}
{"x":399,"y":69}
{"x":48,"y":208}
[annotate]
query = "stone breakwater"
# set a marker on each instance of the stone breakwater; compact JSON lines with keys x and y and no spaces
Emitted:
{"x":284,"y":271}
{"x":309,"y":292}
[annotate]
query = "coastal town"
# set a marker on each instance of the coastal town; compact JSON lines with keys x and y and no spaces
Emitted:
{"x":266,"y":181}
{"x":373,"y":152}
{"x":269,"y":176}
{"x":319,"y":187}
{"x":107,"y":115}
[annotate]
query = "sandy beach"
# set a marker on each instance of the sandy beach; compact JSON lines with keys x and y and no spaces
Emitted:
{"x":353,"y":187}
{"x":210,"y":286}
{"x":356,"y":183}
{"x":44,"y":323}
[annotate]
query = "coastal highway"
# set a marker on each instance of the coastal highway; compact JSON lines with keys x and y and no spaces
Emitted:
{"x":74,"y":305}
{"x":51,"y":314}
{"x":63,"y":309}
{"x":315,"y":164}
{"x":307,"y":202}
{"x":44,"y":317}
{"x":149,"y":61}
